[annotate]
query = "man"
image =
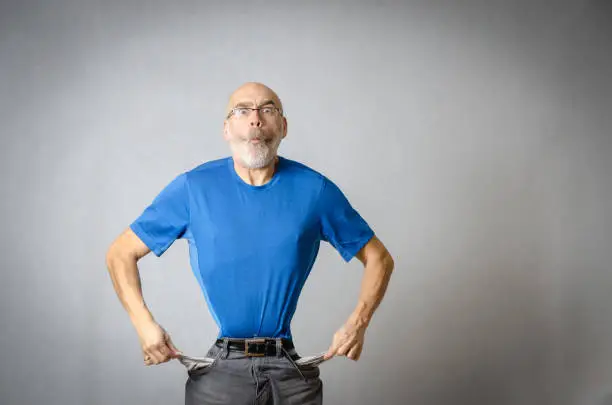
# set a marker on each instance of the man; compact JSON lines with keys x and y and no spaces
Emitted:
{"x":254,"y":222}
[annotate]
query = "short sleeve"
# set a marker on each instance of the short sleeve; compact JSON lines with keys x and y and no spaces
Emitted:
{"x":341,"y":224}
{"x":166,"y":218}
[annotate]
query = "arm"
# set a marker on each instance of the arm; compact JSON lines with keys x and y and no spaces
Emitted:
{"x":378,"y":265}
{"x":121,"y":261}
{"x":348,"y":340}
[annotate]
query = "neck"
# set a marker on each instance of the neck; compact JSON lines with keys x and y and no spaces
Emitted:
{"x":256,"y":177}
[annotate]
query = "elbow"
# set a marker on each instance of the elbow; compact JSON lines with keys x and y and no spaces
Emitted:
{"x":111,"y":257}
{"x":383,"y":261}
{"x":388,"y":262}
{"x":114,"y":255}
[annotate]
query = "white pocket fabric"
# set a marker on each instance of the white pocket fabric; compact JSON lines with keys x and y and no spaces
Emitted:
{"x":311,"y":360}
{"x":194,"y":363}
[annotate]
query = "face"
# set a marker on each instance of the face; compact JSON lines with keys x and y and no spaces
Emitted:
{"x":254,"y":136}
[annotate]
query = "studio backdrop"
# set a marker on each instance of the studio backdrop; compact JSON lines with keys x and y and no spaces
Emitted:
{"x":474,"y":137}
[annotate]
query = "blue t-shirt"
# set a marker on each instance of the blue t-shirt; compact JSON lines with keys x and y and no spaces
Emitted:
{"x":251,"y":247}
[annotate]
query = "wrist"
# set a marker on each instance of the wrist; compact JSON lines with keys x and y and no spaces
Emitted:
{"x":142,"y":319}
{"x":361,"y":316}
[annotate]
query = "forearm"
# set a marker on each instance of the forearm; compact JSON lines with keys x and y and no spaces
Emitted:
{"x":376,"y":277}
{"x":126,"y":281}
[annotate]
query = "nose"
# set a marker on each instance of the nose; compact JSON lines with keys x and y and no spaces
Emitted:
{"x":254,"y":119}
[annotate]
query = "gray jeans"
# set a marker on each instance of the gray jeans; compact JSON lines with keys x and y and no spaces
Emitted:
{"x":225,"y":377}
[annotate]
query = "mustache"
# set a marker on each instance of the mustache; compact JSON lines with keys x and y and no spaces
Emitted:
{"x":256,"y":134}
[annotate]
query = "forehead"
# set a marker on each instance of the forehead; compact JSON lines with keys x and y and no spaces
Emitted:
{"x":251,"y":96}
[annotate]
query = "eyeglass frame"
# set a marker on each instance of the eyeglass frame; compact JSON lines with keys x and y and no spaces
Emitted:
{"x":233,"y":110}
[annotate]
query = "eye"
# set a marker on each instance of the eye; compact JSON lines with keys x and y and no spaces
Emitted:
{"x":267,"y":110}
{"x":241,"y":112}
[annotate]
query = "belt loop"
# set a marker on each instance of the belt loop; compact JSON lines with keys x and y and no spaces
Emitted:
{"x":225,"y":347}
{"x":279,"y":347}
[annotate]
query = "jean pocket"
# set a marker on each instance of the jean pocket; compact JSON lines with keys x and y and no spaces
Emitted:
{"x":198,"y":365}
{"x":310,"y":361}
{"x":309,"y":371}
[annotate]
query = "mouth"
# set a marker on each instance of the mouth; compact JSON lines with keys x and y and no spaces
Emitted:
{"x":256,"y":140}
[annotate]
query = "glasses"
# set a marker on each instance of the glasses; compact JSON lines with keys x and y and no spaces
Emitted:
{"x":243,"y":112}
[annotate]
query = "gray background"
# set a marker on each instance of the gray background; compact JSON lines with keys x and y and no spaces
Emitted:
{"x":474,"y":136}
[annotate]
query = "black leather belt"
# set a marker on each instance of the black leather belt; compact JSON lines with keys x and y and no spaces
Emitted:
{"x":257,"y":347}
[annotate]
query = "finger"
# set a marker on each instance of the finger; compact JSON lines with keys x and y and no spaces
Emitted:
{"x":331,"y":352}
{"x":175,"y":351}
{"x":354,"y":353}
{"x":165,"y":352}
{"x":339,"y":339}
{"x":358,"y":355}
{"x":156,"y":356}
{"x":148,"y":360}
{"x":344,"y":349}
{"x":170,"y":351}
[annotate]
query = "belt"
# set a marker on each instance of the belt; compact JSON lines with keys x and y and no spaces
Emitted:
{"x":255,"y":347}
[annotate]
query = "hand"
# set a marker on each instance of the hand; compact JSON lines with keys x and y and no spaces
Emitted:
{"x":348,"y":341}
{"x":156,"y":345}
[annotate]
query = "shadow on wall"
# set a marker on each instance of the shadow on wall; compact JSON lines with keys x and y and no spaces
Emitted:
{"x":473,"y":340}
{"x":607,"y":400}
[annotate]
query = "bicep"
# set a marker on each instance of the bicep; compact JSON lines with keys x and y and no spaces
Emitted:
{"x":128,"y":244}
{"x":373,"y":250}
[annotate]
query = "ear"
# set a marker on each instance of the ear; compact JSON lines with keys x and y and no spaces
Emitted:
{"x":226,"y":130}
{"x":284,"y":127}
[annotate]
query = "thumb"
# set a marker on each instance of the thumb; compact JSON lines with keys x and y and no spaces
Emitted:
{"x":172,"y":346}
{"x":331,"y":352}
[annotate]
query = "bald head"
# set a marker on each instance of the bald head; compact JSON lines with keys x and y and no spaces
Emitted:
{"x":253,"y":94}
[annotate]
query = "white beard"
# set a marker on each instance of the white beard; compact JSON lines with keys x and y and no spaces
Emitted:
{"x":255,"y":156}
